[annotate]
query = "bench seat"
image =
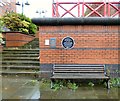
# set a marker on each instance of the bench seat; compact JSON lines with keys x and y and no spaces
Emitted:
{"x":79,"y":76}
{"x":80,"y":72}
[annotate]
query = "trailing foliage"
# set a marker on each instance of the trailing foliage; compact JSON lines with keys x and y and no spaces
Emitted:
{"x":19,"y":22}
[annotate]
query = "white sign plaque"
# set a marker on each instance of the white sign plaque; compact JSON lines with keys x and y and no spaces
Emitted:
{"x":47,"y":42}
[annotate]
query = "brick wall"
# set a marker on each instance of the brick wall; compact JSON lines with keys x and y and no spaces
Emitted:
{"x":16,"y":39}
{"x":94,"y":44}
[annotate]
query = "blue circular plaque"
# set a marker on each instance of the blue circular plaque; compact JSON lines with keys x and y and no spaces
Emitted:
{"x":68,"y":42}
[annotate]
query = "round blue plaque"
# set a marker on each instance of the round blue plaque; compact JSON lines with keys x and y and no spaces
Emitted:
{"x":68,"y":42}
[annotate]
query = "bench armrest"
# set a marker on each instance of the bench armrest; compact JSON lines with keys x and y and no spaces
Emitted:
{"x":106,"y":72}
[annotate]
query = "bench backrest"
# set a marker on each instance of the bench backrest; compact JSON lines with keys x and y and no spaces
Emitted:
{"x":86,"y":69}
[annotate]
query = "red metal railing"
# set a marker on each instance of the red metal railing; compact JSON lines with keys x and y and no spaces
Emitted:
{"x":86,"y":9}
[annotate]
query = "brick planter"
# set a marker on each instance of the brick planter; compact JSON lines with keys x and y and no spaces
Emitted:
{"x":16,"y":39}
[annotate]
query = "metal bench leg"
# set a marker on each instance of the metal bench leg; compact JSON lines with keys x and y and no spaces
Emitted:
{"x":108,"y":84}
{"x":51,"y":84}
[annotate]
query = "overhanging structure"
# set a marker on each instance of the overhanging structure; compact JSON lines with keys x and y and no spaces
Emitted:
{"x":85,"y":9}
{"x":76,"y":21}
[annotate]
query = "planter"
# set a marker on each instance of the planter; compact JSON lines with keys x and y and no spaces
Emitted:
{"x":17,"y":39}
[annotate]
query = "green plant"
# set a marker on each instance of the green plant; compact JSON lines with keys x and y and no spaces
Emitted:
{"x":1,"y":39}
{"x":107,"y":72}
{"x":72,"y":86}
{"x":117,"y":71}
{"x":32,"y":28}
{"x":1,"y":30}
{"x":115,"y":82}
{"x":45,"y":80}
{"x":57,"y":85}
{"x":1,"y":25}
{"x":19,"y":22}
{"x":31,"y":82}
{"x":91,"y":84}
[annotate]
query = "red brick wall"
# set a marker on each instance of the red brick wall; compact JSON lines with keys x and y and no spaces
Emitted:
{"x":16,"y":39}
{"x":93,"y":45}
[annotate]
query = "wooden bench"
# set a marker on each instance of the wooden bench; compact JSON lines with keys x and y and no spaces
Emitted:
{"x":79,"y":72}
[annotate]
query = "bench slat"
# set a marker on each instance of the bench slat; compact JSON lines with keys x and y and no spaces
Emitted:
{"x":77,"y":67}
{"x":65,"y":74}
{"x":79,"y":77}
{"x":73,"y":71}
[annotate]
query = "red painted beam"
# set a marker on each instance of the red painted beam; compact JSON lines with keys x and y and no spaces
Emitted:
{"x":105,"y":6}
{"x":68,"y":11}
{"x":78,"y":8}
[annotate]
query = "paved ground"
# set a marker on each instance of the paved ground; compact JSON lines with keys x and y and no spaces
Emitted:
{"x":0,"y":76}
{"x":16,"y":87}
{"x":0,"y":88}
{"x":83,"y":92}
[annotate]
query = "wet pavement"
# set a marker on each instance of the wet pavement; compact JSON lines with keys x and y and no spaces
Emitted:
{"x":0,"y":87}
{"x":24,"y":87}
{"x":0,"y":76}
{"x":83,"y":92}
{"x":19,"y":87}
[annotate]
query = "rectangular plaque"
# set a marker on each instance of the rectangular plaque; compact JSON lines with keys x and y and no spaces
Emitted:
{"x":52,"y":42}
{"x":47,"y":42}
